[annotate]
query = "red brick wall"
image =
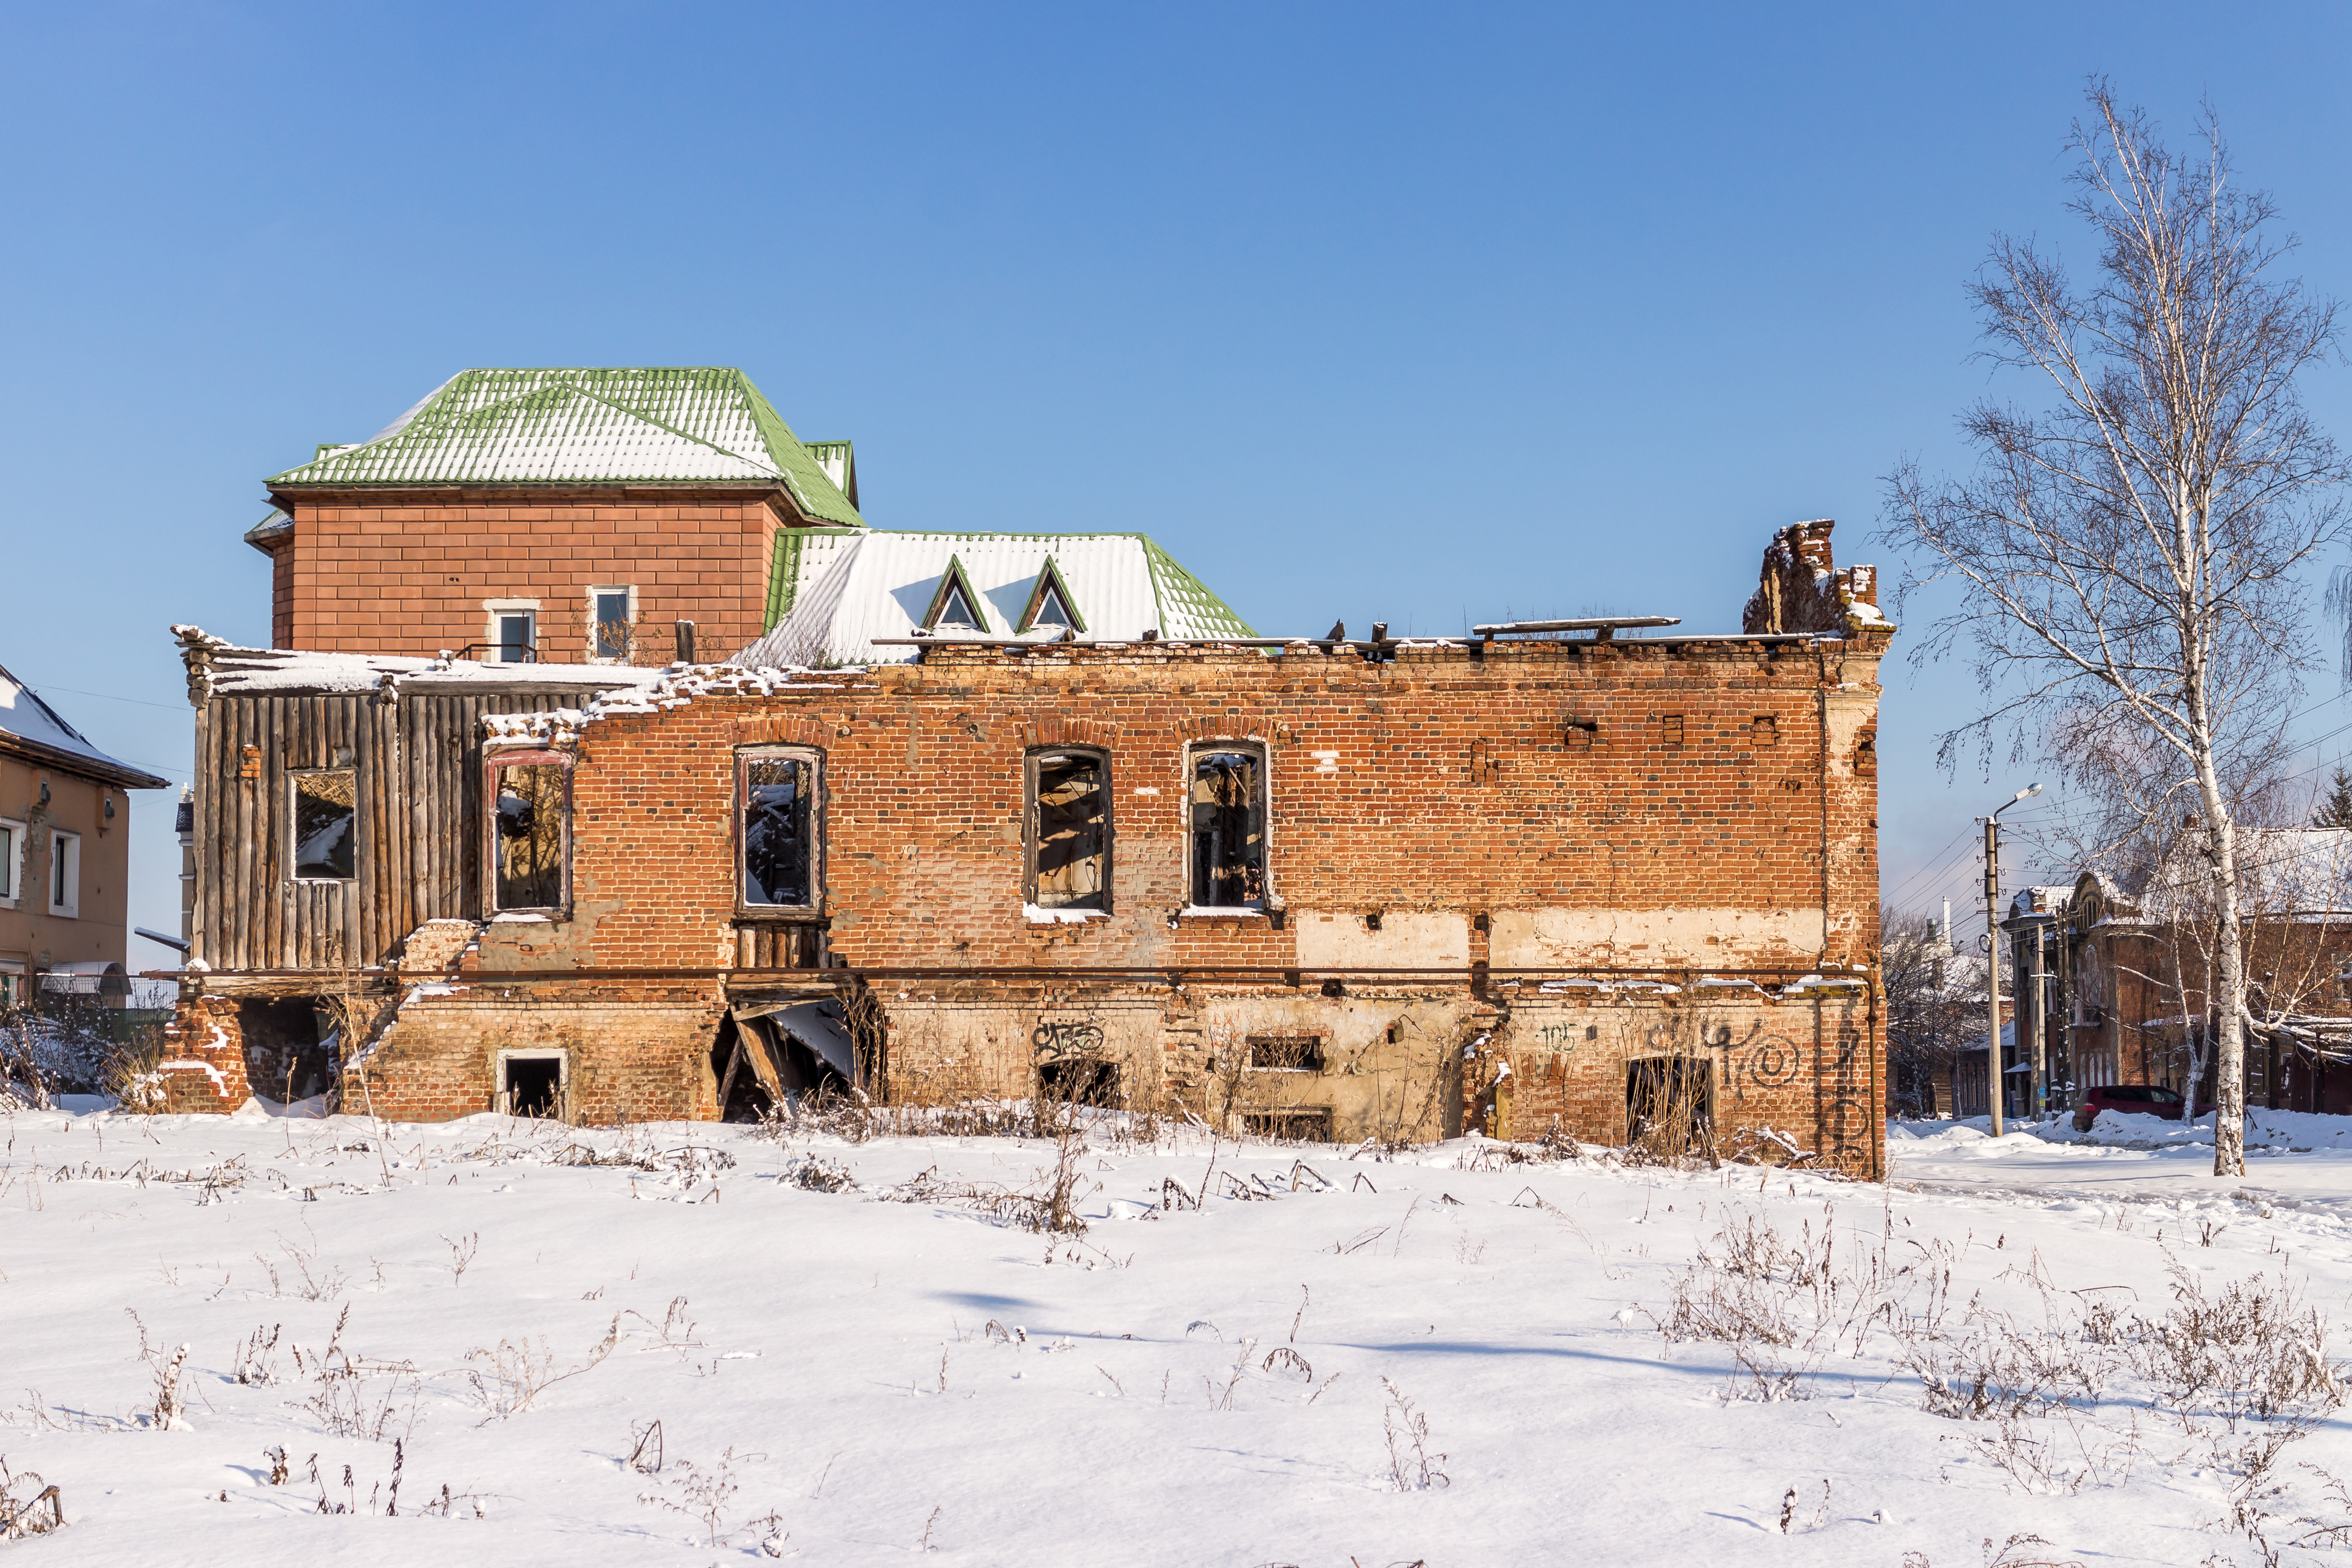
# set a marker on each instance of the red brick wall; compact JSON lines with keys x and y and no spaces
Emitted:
{"x":396,"y":574}
{"x":924,"y":771}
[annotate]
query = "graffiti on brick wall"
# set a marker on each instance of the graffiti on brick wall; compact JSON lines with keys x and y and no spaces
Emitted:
{"x":1053,"y":1039}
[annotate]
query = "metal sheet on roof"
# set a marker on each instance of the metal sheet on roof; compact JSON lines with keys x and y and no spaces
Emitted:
{"x":853,"y":588}
{"x":587,"y":426}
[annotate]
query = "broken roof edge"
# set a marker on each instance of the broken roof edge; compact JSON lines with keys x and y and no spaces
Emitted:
{"x":218,"y":666}
{"x":934,"y":639}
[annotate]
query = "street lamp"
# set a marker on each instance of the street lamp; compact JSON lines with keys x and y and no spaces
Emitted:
{"x":1992,"y":948}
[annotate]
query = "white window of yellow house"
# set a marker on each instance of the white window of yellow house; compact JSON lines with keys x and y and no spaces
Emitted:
{"x":12,"y":863}
{"x":12,"y":983}
{"x":65,"y":875}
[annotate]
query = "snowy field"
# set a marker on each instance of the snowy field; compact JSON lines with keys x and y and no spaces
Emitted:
{"x":1440,"y":1358}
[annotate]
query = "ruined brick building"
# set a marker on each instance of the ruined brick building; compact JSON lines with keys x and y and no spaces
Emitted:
{"x":936,"y":816}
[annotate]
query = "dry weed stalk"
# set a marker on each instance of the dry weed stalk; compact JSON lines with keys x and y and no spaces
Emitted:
{"x":1411,"y":1466}
{"x":341,"y":1399}
{"x":257,"y":1358}
{"x":703,"y":1493}
{"x":507,"y":1379}
{"x":28,"y":1505}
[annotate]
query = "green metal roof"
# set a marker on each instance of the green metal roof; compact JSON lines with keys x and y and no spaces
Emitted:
{"x":683,"y":425}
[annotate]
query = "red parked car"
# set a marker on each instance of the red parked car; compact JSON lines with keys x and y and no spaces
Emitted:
{"x":2133,"y":1099}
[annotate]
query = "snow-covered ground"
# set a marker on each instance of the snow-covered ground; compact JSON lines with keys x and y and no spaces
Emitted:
{"x":887,"y":1371}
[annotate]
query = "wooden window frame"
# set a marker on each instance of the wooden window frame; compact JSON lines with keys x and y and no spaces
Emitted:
{"x":819,"y":798}
{"x":293,"y":844}
{"x":12,"y":864}
{"x":1267,"y":900}
{"x":1029,"y":814}
{"x":515,"y":757}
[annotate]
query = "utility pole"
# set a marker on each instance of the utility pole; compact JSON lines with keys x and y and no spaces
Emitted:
{"x":1993,"y":949}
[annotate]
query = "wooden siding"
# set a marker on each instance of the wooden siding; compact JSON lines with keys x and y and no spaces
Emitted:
{"x":418,"y":788}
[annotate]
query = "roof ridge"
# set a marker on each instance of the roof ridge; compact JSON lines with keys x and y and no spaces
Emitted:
{"x":684,"y":435}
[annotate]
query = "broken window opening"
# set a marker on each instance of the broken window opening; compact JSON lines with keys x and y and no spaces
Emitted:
{"x":1307,"y":1125}
{"x":1669,"y":1106}
{"x":1228,"y":828}
{"x":1069,"y":830}
{"x":531,"y":1085}
{"x":780,"y":826}
{"x":1080,"y":1081}
{"x":1286,"y":1053}
{"x":530,"y":829}
{"x":326,"y":826}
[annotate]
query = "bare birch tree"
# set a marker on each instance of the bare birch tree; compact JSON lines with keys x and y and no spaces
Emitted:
{"x":2130,"y":559}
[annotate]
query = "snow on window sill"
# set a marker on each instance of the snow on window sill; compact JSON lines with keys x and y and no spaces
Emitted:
{"x":1039,"y":915}
{"x":1222,"y":912}
{"x":520,"y":917}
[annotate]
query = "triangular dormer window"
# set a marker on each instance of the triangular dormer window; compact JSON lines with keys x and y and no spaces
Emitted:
{"x":1051,"y":611}
{"x":956,"y":612}
{"x":955,"y":604}
{"x":1050,"y":604}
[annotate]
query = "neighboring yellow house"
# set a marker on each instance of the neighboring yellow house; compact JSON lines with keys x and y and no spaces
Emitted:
{"x":65,"y":850}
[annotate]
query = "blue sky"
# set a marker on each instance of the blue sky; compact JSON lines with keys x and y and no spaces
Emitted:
{"x":1412,"y":315}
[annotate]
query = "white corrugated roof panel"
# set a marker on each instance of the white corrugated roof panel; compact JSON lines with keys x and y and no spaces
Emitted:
{"x":856,"y":588}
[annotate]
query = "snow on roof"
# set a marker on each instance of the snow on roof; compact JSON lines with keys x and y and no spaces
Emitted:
{"x":2286,"y":872}
{"x":852,"y":588}
{"x":588,"y":426}
{"x":218,"y":665}
{"x":34,"y":724}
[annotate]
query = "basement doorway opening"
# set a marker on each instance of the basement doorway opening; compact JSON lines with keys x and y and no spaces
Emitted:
{"x":530,"y":1083}
{"x":1669,"y":1106}
{"x":771,"y":1056}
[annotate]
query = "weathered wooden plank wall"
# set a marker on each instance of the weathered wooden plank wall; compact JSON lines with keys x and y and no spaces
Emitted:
{"x":417,"y":790}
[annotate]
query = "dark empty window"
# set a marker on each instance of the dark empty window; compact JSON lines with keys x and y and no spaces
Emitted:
{"x":1069,"y":830}
{"x":326,"y":827}
{"x":1080,"y":1080}
{"x":1308,"y":1125}
{"x":533,"y":1086}
{"x":1286,"y":1053}
{"x":528,"y":835}
{"x":1228,"y":828}
{"x":613,"y":623}
{"x":779,"y":831}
